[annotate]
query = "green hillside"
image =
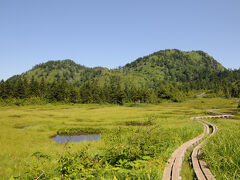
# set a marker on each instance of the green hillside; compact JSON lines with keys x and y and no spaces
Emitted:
{"x":173,"y":65}
{"x":170,"y":65}
{"x":66,"y":69}
{"x":166,"y":74}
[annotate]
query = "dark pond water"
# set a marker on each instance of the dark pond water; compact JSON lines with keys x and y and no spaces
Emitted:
{"x":78,"y":138}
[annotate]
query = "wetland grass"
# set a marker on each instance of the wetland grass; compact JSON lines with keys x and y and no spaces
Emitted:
{"x":123,"y":151}
{"x":221,"y":152}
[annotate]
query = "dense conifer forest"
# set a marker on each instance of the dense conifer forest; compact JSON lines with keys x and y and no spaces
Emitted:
{"x":164,"y":75}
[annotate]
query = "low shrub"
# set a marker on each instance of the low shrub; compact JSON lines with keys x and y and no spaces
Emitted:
{"x":79,"y":131}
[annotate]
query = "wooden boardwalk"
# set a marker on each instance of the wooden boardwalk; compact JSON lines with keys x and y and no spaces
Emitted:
{"x":200,"y":167}
{"x":173,"y":167}
{"x":210,"y":117}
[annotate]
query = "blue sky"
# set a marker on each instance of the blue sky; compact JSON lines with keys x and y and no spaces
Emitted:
{"x":112,"y":33}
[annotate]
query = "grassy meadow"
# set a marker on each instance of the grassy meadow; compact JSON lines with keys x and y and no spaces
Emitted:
{"x":221,"y":152}
{"x":136,"y":140}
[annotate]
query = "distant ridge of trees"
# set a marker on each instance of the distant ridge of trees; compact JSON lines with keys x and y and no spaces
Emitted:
{"x":89,"y":92}
{"x":164,"y":75}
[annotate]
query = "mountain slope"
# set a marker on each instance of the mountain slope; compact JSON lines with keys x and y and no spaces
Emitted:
{"x":173,"y":65}
{"x":166,"y":65}
{"x":164,"y":75}
{"x":65,"y":69}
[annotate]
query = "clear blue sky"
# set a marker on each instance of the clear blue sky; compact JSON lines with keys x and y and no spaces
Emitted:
{"x":110,"y":33}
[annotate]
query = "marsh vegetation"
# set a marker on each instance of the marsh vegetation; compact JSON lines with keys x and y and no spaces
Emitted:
{"x":222,"y":151}
{"x":136,"y":141}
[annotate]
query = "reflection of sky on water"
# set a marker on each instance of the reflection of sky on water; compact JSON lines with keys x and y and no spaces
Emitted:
{"x":78,"y":138}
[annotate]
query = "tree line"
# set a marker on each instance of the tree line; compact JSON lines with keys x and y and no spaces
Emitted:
{"x":115,"y":89}
{"x":89,"y":92}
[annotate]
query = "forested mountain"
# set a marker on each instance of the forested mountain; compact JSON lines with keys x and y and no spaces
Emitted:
{"x":167,"y":74}
{"x":65,"y":69}
{"x":173,"y":65}
{"x":170,"y":65}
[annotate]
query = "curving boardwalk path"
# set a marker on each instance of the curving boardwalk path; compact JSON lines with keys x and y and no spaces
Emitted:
{"x":200,"y":167}
{"x":173,"y":167}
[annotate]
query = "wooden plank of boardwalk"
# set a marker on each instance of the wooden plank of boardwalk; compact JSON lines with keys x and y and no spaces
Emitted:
{"x":200,"y":167}
{"x":174,"y":164}
{"x":210,"y":117}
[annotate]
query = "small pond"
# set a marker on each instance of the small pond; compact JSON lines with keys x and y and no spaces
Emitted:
{"x":77,"y":138}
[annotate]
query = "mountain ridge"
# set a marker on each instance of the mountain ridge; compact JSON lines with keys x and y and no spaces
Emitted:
{"x":164,"y":75}
{"x":168,"y":65}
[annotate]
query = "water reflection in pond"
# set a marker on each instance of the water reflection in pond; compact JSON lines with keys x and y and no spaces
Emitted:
{"x":78,"y":138}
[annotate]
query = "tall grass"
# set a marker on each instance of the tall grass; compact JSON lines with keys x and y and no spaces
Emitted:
{"x":123,"y":153}
{"x":221,"y":152}
{"x":126,"y":149}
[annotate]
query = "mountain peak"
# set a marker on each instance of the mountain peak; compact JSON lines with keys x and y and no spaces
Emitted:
{"x":174,"y":58}
{"x":57,"y":64}
{"x":170,"y":65}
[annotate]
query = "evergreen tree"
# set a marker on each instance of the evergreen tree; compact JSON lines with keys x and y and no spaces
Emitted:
{"x":3,"y":93}
{"x":20,"y":89}
{"x":73,"y":95}
{"x":42,"y":88}
{"x":34,"y":88}
{"x":9,"y":89}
